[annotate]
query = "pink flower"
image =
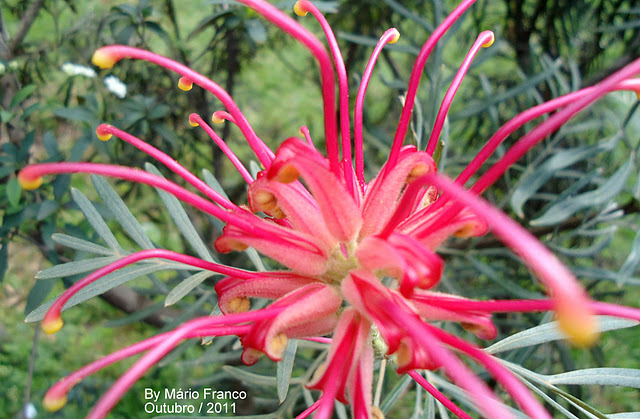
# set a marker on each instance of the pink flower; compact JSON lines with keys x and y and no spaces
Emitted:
{"x":339,"y":236}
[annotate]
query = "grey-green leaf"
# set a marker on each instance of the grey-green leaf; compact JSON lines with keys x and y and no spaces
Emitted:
{"x":285,"y":368}
{"x":81,"y":244}
{"x":599,"y":376}
{"x":530,"y":183}
{"x":95,"y":219}
{"x":104,"y":284}
{"x":75,"y":267}
{"x":180,"y":217}
{"x":121,"y":212}
{"x":567,"y":207}
{"x":185,"y":287}
{"x":550,"y":332}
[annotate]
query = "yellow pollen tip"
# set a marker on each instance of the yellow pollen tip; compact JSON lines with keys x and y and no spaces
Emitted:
{"x":239,"y":305}
{"x":185,"y":84}
{"x":103,"y":59}
{"x":297,"y":8}
{"x":395,"y":38}
{"x":192,"y":121}
{"x":216,"y":119}
{"x":53,"y":404}
{"x":287,"y":174}
{"x":376,"y":413}
{"x":638,"y":94}
{"x":103,"y":135}
{"x":417,"y":171}
{"x":52,"y":326}
{"x":278,"y":344}
{"x":490,"y":41}
{"x":580,"y":331}
{"x":29,"y":184}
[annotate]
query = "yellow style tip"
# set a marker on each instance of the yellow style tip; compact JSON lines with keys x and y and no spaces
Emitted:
{"x":51,"y":326}
{"x":103,"y":59}
{"x":103,"y":135}
{"x":297,"y":8}
{"x":53,"y":404}
{"x":396,"y":36}
{"x":491,"y":40}
{"x":185,"y":84}
{"x":216,"y":119}
{"x":29,"y":184}
{"x":192,"y":121}
{"x":581,"y":330}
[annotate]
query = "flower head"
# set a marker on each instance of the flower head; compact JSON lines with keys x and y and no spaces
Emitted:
{"x":357,"y":254}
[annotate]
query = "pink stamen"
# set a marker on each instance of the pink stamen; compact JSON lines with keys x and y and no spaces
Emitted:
{"x":195,"y":118}
{"x":571,"y":301}
{"x":290,"y":26}
{"x":320,"y":339}
{"x":118,"y":52}
{"x":169,"y":162}
{"x":124,"y":383}
{"x":54,"y":311}
{"x":343,"y":86}
{"x":388,"y":36}
{"x":485,"y":39}
{"x":307,"y":135}
{"x":309,"y":410}
{"x":523,"y":306}
{"x":35,"y":171}
{"x":424,"y":336}
{"x":552,"y":124}
{"x":416,"y":75}
{"x":438,"y":395}
{"x":529,"y":115}
{"x":62,"y":387}
{"x":336,"y":372}
{"x":515,"y":387}
{"x":219,"y":117}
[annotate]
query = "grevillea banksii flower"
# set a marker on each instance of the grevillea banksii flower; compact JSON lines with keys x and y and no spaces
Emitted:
{"x":339,"y":235}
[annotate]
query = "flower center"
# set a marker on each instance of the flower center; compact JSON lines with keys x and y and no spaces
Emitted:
{"x":341,"y":262}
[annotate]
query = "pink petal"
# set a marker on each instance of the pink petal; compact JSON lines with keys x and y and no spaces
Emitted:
{"x":340,"y":211}
{"x":385,"y":190}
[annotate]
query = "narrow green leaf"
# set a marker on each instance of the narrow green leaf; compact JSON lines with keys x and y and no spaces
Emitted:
{"x":76,"y":267}
{"x":22,"y":94}
{"x":104,"y":284}
{"x":95,"y":219}
{"x":180,"y":217}
{"x":598,"y":376}
{"x":550,"y":332}
{"x":632,"y":263}
{"x":13,"y":191}
{"x":79,"y":113}
{"x":81,"y":244}
{"x":4,"y":260}
{"x":540,"y":175}
{"x":285,"y":368}
{"x":121,"y":212}
{"x":185,"y":287}
{"x":394,"y":395}
{"x":606,"y":192}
